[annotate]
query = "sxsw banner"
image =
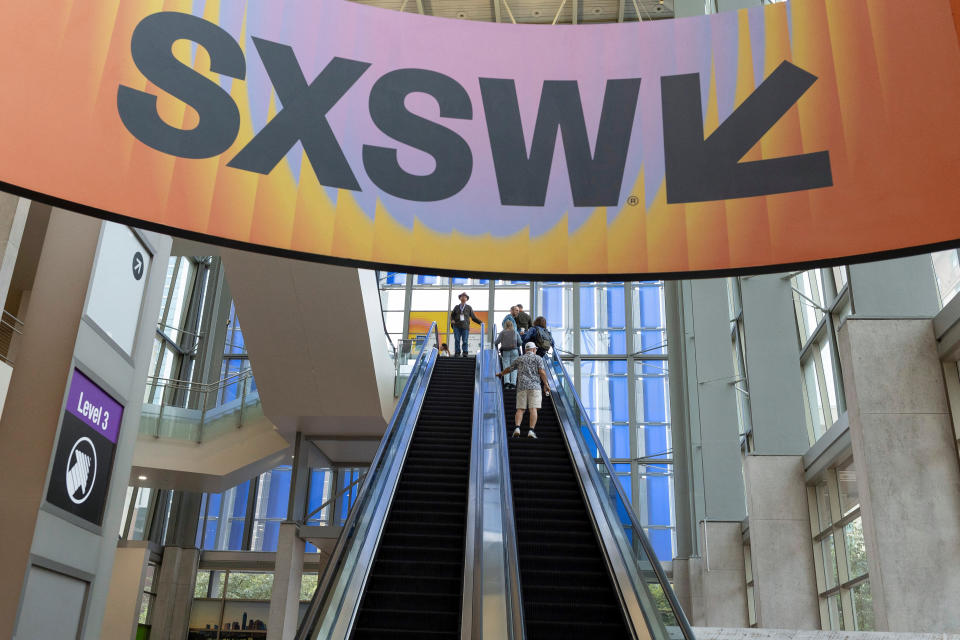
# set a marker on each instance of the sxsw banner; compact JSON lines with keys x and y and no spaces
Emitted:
{"x":794,"y":133}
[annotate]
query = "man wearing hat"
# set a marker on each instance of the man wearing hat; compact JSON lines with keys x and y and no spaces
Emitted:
{"x":460,"y":318}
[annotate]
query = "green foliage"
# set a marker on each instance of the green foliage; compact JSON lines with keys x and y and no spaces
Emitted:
{"x":308,"y":585}
{"x":249,"y":586}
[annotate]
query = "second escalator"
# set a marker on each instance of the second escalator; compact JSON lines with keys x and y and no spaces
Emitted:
{"x":415,"y":584}
{"x":566,"y":587}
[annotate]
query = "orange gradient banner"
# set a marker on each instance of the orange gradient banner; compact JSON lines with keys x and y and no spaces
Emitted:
{"x":799,"y":133}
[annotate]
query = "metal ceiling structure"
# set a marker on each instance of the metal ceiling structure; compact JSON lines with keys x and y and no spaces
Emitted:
{"x":535,"y":11}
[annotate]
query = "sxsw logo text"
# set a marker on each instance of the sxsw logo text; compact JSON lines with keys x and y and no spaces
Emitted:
{"x":697,"y":169}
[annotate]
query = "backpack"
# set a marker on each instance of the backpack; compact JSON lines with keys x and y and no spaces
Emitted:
{"x":543,"y":339}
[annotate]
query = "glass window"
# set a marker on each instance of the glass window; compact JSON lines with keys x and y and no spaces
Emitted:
{"x":842,"y":567}
{"x":856,"y":549}
{"x":318,"y":494}
{"x":847,"y":484}
{"x":273,"y":495}
{"x":555,"y":304}
{"x":504,"y":298}
{"x":141,"y":512}
{"x":249,"y":585}
{"x":649,"y":318}
{"x":602,"y":319}
{"x":814,"y":405}
{"x":946,"y":266}
{"x":603,"y":390}
{"x":863,"y":606}
{"x":808,"y":302}
{"x":831,"y":572}
{"x":308,"y":585}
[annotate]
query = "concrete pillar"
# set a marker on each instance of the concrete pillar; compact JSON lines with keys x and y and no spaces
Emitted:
{"x":905,"y":287}
{"x":714,"y":585}
{"x":171,"y":609}
{"x":126,"y":590}
{"x":707,"y":457}
{"x":288,"y":573}
{"x":906,"y":463}
{"x":38,"y":537}
{"x":773,"y":366}
{"x":784,"y":576}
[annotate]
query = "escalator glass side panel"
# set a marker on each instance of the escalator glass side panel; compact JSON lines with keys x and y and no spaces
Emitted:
{"x":566,"y":587}
{"x":654,"y":595}
{"x":414,"y":587}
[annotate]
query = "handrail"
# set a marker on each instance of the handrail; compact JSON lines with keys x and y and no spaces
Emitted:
{"x":327,"y":616}
{"x":174,"y":383}
{"x":307,"y":517}
{"x":638,"y":532}
{"x":471,"y":599}
{"x":514,"y":593}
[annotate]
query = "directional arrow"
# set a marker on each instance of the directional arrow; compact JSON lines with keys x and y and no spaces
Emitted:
{"x":137,"y":265}
{"x":699,"y":170}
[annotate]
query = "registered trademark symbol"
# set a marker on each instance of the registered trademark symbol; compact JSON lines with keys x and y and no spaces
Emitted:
{"x":633,"y":201}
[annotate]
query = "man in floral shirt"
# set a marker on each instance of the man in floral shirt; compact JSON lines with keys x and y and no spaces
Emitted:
{"x":530,"y":374}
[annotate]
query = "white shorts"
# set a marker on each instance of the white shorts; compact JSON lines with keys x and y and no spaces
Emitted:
{"x":529,"y":398}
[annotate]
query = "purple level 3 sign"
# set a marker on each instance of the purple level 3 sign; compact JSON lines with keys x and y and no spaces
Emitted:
{"x":83,"y":461}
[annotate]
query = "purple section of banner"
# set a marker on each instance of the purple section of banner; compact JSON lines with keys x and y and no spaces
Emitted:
{"x":91,"y":404}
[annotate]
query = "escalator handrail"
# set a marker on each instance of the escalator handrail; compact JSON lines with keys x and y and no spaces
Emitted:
{"x":471,"y":601}
{"x":496,"y":607}
{"x":515,"y":594}
{"x":411,"y":397}
{"x":638,"y":531}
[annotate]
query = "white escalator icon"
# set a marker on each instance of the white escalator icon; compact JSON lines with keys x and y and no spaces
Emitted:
{"x":81,"y":470}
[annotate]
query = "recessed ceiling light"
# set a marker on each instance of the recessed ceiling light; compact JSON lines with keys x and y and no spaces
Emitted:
{"x":141,"y":477}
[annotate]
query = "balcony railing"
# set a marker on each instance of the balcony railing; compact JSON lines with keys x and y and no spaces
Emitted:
{"x":191,"y":411}
{"x":11,"y":329}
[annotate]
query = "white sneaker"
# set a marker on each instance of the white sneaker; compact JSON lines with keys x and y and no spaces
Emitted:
{"x":516,"y":433}
{"x":531,"y":434}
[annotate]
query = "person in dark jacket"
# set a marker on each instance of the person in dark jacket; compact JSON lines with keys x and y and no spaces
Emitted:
{"x":460,"y":318}
{"x":522,"y":320}
{"x":539,"y":335}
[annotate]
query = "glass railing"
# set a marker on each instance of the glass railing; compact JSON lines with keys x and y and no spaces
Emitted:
{"x":646,"y":578}
{"x":337,"y":598}
{"x":191,"y":411}
{"x":407,"y":352}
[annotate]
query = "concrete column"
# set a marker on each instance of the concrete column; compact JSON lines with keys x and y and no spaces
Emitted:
{"x":37,"y":536}
{"x":707,"y":456}
{"x":906,"y":463}
{"x":773,"y":366}
{"x":126,"y":589}
{"x":905,"y":287}
{"x":784,"y":576}
{"x":714,"y":584}
{"x":288,"y":572}
{"x":723,"y":491}
{"x":171,"y":609}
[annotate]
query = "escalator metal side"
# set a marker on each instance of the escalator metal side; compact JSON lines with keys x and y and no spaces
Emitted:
{"x":334,"y":605}
{"x":491,"y":560}
{"x":638,"y":608}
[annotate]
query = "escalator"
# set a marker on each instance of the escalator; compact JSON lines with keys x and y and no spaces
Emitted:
{"x":567,"y":592}
{"x":415,"y":583}
{"x":460,"y":531}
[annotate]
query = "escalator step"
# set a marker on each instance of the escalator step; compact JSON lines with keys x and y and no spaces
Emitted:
{"x":567,"y":590}
{"x":414,"y":586}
